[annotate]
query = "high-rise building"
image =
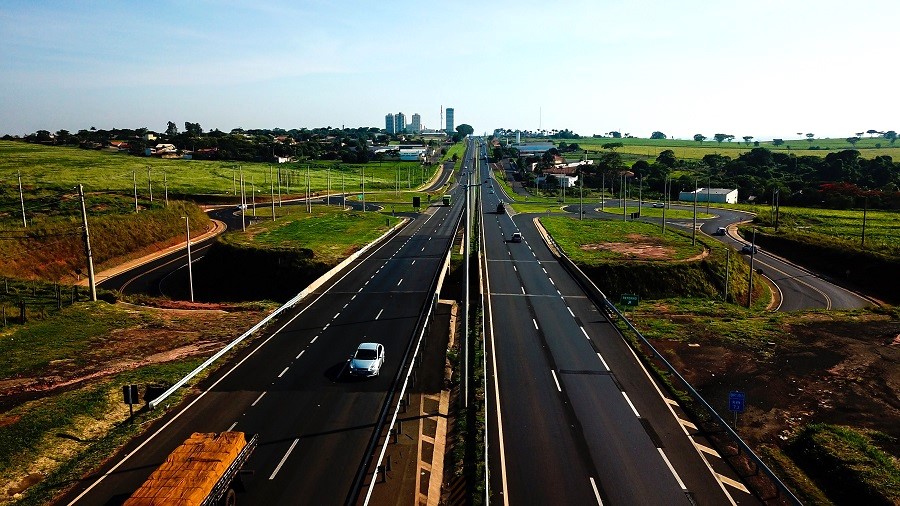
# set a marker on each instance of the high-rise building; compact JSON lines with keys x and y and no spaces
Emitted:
{"x":416,"y":125}
{"x":399,"y":123}
{"x":389,"y":124}
{"x":450,"y":121}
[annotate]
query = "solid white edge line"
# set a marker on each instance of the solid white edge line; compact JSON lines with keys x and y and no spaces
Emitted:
{"x":630,"y":404}
{"x":555,"y":380}
{"x":284,"y":459}
{"x":672,"y":469}
{"x":257,"y":399}
{"x":596,"y":492}
{"x":284,"y":371}
{"x":604,"y":362}
{"x":231,"y":427}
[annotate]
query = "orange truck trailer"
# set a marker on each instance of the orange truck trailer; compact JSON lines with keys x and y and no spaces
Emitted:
{"x":204,"y":470}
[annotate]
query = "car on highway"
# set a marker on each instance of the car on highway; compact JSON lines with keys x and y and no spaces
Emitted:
{"x":516,"y":237}
{"x":748,"y":249}
{"x":721,"y":231}
{"x":491,"y":191}
{"x":367,"y":360}
{"x":658,"y":204}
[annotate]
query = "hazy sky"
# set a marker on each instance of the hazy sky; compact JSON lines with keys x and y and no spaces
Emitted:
{"x":761,"y":68}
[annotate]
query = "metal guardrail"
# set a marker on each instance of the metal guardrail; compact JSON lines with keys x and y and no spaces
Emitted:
{"x":289,"y":304}
{"x":599,"y":297}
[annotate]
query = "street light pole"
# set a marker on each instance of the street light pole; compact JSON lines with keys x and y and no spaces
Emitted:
{"x":694,"y":228}
{"x":87,"y":245}
{"x":187,"y":232}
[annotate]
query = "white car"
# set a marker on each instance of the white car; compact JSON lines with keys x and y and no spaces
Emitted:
{"x":367,"y":360}
{"x":658,"y":205}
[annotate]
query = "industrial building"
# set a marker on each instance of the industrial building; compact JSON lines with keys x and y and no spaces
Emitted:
{"x":720,"y":195}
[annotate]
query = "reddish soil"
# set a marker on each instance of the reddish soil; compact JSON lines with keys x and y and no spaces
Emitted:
{"x":834,"y":372}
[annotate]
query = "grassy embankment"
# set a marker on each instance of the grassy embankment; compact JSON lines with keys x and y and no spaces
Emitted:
{"x":836,"y":238}
{"x":49,"y":439}
{"x":635,"y":257}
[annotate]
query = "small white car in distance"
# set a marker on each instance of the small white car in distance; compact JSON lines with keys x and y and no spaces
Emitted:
{"x":658,"y":204}
{"x":516,"y":237}
{"x":367,"y":360}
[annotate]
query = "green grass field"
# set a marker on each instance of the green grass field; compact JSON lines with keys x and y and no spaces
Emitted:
{"x":64,"y":167}
{"x":330,"y":232}
{"x":650,"y":212}
{"x":693,"y":150}
{"x":593,"y":241}
{"x":882,"y":227}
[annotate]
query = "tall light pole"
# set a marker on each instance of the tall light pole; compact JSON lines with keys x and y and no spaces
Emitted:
{"x":134,"y":182}
{"x":22,"y":200}
{"x":253,"y":192}
{"x":187,"y":231}
{"x":149,"y":185}
{"x":166,"y":188}
{"x":243,"y":204}
{"x":363,"y":186}
{"x":87,"y":245}
{"x":694,"y":228}
{"x":272,"y":186}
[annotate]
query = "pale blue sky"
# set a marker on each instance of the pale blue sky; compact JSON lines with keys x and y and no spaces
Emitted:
{"x":762,"y":68}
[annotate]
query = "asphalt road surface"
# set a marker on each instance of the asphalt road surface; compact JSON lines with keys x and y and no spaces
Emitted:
{"x":291,"y":386}
{"x":575,"y":418}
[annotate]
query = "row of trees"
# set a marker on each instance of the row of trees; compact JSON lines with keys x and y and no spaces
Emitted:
{"x":347,"y":144}
{"x":838,"y":180}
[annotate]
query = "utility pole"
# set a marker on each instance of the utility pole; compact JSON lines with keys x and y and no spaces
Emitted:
{"x":581,"y":196}
{"x":665,"y":202}
{"x":87,"y":245}
{"x":278,"y":172}
{"x":166,"y":187}
{"x":149,"y":184}
{"x":272,"y":186}
{"x":308,"y":192}
{"x":750,"y":283}
{"x":187,"y":230}
{"x":603,"y":191}
{"x":343,"y":192}
{"x":327,"y":185}
{"x":253,"y":191}
{"x":243,"y":204}
{"x":233,"y":181}
{"x":134,"y":181}
{"x":22,"y":200}
{"x":694,"y":228}
{"x":363,"y":186}
{"x":624,"y":197}
{"x":777,"y":207}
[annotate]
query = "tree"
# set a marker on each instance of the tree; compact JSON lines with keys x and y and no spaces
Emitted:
{"x":667,"y":158}
{"x":721,"y":137}
{"x":853,"y":141}
{"x":193,"y":129}
{"x":615,"y":135}
{"x":810,"y":137}
{"x":890,"y":135}
{"x":171,"y":129}
{"x":465,"y":130}
{"x":657,"y":135}
{"x":872,"y":132}
{"x":699,"y":137}
{"x":777,"y":142}
{"x":612,"y":145}
{"x":747,"y":139}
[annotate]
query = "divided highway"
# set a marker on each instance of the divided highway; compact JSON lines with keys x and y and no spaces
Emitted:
{"x":291,"y":387}
{"x":575,"y":418}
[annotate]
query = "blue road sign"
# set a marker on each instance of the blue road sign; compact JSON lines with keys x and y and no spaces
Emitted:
{"x":736,"y":401}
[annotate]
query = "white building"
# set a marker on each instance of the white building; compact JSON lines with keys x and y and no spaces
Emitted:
{"x":563,"y":180}
{"x":720,"y":195}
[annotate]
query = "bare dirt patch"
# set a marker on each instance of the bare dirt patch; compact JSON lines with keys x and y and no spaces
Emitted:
{"x":837,"y":372}
{"x":166,"y":335}
{"x":641,"y":247}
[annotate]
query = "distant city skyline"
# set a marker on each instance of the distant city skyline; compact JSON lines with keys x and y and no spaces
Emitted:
{"x":765,"y":68}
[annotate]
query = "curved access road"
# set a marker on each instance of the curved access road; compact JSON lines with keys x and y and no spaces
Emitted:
{"x":798,"y":288}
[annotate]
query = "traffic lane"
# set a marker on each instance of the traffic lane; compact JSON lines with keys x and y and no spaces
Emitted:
{"x":634,"y":471}
{"x":593,"y":327}
{"x":145,"y":278}
{"x":545,"y":462}
{"x":324,"y":416}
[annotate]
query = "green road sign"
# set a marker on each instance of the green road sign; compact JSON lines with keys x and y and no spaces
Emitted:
{"x":629,"y":299}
